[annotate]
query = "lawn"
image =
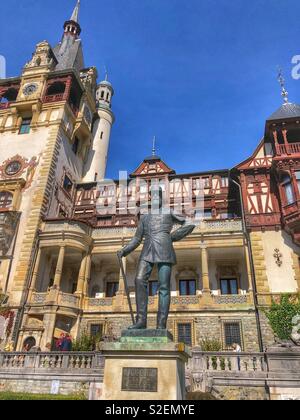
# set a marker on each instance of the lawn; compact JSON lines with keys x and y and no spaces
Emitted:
{"x":11,"y":396}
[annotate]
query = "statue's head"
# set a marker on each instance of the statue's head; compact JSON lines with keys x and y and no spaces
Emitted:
{"x":156,"y":194}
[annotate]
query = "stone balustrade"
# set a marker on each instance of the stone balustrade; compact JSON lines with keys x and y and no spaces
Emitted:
{"x":51,"y":360}
{"x":273,"y":374}
{"x":56,"y":297}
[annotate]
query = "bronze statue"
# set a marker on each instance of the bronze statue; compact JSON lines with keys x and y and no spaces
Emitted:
{"x":156,"y":229}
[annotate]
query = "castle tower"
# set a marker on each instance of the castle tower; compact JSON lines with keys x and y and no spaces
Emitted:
{"x":97,"y":160}
{"x":46,"y":119}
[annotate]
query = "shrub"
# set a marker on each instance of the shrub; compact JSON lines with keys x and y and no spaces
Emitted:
{"x":208,"y":344}
{"x":281,"y":314}
{"x":86,"y":342}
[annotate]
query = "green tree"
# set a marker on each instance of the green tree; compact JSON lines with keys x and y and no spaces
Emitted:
{"x":281,"y":314}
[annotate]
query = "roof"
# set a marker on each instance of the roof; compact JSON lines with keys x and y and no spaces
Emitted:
{"x":69,"y":54}
{"x":287,"y":110}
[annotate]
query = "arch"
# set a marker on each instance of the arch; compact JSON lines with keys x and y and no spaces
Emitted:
{"x":6,"y":199}
{"x":10,"y":95}
{"x":56,"y":88}
{"x":29,"y":343}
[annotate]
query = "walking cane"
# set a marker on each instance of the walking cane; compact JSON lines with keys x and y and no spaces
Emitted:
{"x":126,"y":289}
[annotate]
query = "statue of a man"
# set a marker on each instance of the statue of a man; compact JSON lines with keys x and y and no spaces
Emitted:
{"x":156,"y":229}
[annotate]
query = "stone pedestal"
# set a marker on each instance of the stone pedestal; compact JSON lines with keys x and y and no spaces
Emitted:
{"x":144,"y":365}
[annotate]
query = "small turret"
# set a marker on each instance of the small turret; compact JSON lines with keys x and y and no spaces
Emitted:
{"x":104,"y":93}
{"x":95,"y":167}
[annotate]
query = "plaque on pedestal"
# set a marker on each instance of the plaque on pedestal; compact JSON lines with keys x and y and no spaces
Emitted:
{"x":144,"y":365}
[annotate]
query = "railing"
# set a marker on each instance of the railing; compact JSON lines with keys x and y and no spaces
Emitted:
{"x":56,"y":297}
{"x":227,"y":362}
{"x":54,"y":98}
{"x":54,"y":361}
{"x":4,"y":105}
{"x":231,"y":299}
{"x":288,"y":149}
{"x":39,"y":298}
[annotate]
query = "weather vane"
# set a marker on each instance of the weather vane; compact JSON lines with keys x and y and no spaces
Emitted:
{"x":154,"y":146}
{"x":284,"y":92}
{"x":106,"y":73}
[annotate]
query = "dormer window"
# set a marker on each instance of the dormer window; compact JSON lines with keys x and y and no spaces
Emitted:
{"x":68,"y":184}
{"x":25,"y":126}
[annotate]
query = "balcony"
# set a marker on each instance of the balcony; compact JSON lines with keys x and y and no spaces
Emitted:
{"x":55,"y":297}
{"x":4,"y":105}
{"x":54,"y":98}
{"x":287,"y":149}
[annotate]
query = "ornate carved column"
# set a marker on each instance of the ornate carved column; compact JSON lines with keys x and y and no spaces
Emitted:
{"x":81,"y":277}
{"x":205,"y":271}
{"x":59,"y":267}
{"x":35,"y":273}
{"x":87,"y":276}
{"x":249,"y":273}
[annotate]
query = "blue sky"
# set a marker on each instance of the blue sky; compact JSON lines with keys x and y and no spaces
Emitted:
{"x":198,"y":74}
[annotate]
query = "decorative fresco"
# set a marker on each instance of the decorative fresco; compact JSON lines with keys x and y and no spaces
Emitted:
{"x":19,"y":167}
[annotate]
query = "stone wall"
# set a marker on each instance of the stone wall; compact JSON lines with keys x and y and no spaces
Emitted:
{"x":240,"y":393}
{"x":205,"y":325}
{"x":44,"y":386}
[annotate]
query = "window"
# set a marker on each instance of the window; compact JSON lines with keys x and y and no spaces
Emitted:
{"x":232,"y":334}
{"x":96,"y":330}
{"x":206,"y":182}
{"x":288,"y":188}
{"x":297,"y":173}
{"x":107,"y":97}
{"x":185,"y":333}
{"x":187,"y":287}
{"x":229,"y":287}
{"x":153,"y":288}
{"x":75,"y":146}
{"x":13,"y":168}
{"x":112,"y":289}
{"x":6,"y":199}
{"x":95,"y":291}
{"x":207,"y":214}
{"x":224,"y":182}
{"x":101,"y":135}
{"x":102,"y":94}
{"x":25,"y":126}
{"x":68,"y":184}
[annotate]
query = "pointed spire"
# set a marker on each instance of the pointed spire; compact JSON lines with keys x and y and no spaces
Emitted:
{"x":106,"y":74}
{"x":75,"y":14}
{"x":284,"y":92}
{"x":154,"y":146}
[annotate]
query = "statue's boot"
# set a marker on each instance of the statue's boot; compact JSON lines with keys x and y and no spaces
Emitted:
{"x":162,"y":319}
{"x":140,"y":325}
{"x":141,"y":291}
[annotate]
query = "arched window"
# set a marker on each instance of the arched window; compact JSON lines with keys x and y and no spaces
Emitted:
{"x":29,"y":343}
{"x":102,"y":94}
{"x":288,"y":188}
{"x":10,"y":95}
{"x":56,"y":88}
{"x":6,"y":199}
